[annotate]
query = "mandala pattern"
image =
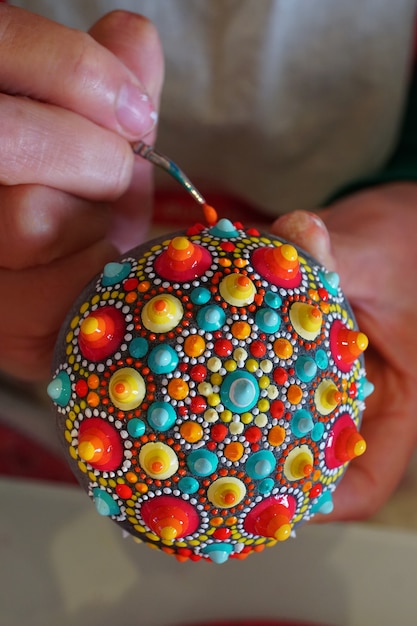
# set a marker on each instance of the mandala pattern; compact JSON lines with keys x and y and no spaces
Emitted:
{"x":209,"y":389}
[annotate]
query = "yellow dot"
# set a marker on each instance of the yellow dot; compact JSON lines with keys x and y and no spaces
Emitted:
{"x":213,"y":399}
{"x":226,"y":416}
{"x":230,"y":365}
{"x":263,"y":405}
{"x":251,"y":365}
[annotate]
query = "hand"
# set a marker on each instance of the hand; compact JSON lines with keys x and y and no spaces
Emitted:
{"x":370,"y":241}
{"x":71,"y":191}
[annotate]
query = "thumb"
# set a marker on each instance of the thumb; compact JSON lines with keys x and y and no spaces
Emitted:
{"x":308,"y":231}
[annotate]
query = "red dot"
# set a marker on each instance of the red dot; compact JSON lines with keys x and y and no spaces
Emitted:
{"x":198,"y":404}
{"x":219,"y":432}
{"x":130,"y":284}
{"x":183,"y":411}
{"x":223,"y":347}
{"x":258,"y":349}
{"x":227,"y":246}
{"x":81,"y":388}
{"x":253,"y":434}
{"x":323,"y":293}
{"x":124,"y":491}
{"x":277,"y":409}
{"x":198,"y":373}
{"x":222,"y":533}
{"x":315,"y":491}
{"x":280,"y":375}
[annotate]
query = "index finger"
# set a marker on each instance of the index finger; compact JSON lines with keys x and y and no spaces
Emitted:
{"x":46,"y":61}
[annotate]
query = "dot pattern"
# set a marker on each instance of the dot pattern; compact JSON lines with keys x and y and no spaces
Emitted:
{"x":209,"y":389}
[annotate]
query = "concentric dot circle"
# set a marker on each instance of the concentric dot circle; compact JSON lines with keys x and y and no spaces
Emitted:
{"x":127,"y":389}
{"x":226,"y":492}
{"x":162,"y":313}
{"x":101,"y":333}
{"x":158,"y":460}
{"x":239,"y":391}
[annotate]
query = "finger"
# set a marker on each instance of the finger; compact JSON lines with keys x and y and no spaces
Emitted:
{"x":51,"y":63}
{"x":135,"y":41}
{"x":35,"y":304}
{"x":40,"y":224}
{"x":309,"y":232}
{"x":47,"y":145}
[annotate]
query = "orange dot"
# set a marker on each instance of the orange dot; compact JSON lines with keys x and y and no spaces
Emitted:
{"x":144,"y":286}
{"x":276,"y":435}
{"x":194,"y":345}
{"x":294,"y":394}
{"x":283,"y":348}
{"x":191,"y":431}
{"x":93,"y":399}
{"x":234,"y":451}
{"x":93,"y":381}
{"x":131,"y":477}
{"x":178,"y":388}
{"x":240,"y":330}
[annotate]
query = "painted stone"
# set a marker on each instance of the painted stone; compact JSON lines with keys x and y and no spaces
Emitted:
{"x":209,"y":388}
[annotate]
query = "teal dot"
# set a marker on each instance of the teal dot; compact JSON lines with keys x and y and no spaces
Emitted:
{"x":211,"y":317}
{"x":218,"y":552}
{"x":330,"y":281}
{"x":324,"y":504}
{"x":322,"y":359}
{"x":188,"y":484}
{"x":104,"y":503}
{"x":138,"y":347}
{"x":223,"y":229}
{"x":162,"y":359}
{"x":59,"y":389}
{"x":200,"y":295}
{"x":301,"y":423}
{"x":161,"y":416}
{"x":273,"y":299}
{"x":267,"y":320}
{"x":114,"y":273}
{"x":305,"y":368}
{"x":260,"y":464}
{"x":239,"y":391}
{"x":265,"y":486}
{"x":317,"y":432}
{"x":202,"y":462}
{"x":136,"y":427}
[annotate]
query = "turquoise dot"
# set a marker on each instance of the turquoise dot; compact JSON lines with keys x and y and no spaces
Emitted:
{"x":223,"y":229}
{"x":200,"y":295}
{"x":161,"y":416}
{"x":188,"y":484}
{"x":265,"y":486}
{"x":267,"y":320}
{"x":59,"y":389}
{"x":211,"y":317}
{"x":273,"y":299}
{"x":202,"y":462}
{"x":114,"y":273}
{"x":317,"y":432}
{"x":163,"y":359}
{"x":239,"y":391}
{"x":105,"y":504}
{"x":324,"y":503}
{"x":260,"y":464}
{"x":138,"y":347}
{"x":365,"y":388}
{"x":136,"y":427}
{"x":301,"y":423}
{"x":305,"y":368}
{"x":218,"y":552}
{"x":322,"y":359}
{"x":330,"y":281}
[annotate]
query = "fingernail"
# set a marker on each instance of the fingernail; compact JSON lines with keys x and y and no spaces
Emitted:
{"x":135,"y":111}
